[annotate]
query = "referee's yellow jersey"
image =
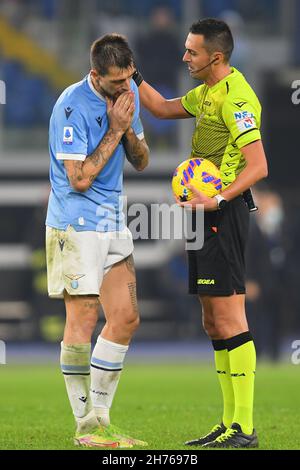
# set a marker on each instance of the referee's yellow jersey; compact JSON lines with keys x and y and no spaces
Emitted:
{"x":228,"y":117}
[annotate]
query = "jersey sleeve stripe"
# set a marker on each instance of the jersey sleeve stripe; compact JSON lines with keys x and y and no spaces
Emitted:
{"x":71,"y":156}
{"x":140,"y":136}
{"x":246,"y":132}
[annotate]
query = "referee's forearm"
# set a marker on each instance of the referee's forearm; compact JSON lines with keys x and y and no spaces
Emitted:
{"x":256,"y":169}
{"x":152,"y":99}
{"x":247,"y":178}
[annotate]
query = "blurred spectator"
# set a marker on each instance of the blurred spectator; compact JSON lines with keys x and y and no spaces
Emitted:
{"x":137,"y":7}
{"x":159,"y":59}
{"x":217,"y":7}
{"x":158,"y":53}
{"x":108,"y":22}
{"x":264,"y":11}
{"x":266,"y":273}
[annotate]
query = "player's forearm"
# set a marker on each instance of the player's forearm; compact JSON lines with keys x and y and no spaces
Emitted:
{"x":85,"y":173}
{"x":137,"y":151}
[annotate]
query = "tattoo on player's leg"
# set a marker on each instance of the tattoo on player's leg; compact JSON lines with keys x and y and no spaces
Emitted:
{"x":133,"y":298}
{"x":130,"y":264}
{"x":92,"y":304}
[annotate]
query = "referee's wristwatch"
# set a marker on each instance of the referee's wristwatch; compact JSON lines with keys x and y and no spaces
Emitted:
{"x":222,"y":203}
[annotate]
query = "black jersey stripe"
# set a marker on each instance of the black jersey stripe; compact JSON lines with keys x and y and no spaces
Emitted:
{"x":246,"y":132}
{"x":194,"y":115}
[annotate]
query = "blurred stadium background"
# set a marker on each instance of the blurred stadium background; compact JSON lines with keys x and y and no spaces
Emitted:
{"x":44,"y":47}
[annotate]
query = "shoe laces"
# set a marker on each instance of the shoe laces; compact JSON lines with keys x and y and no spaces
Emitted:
{"x":213,"y":430}
{"x":226,"y":435}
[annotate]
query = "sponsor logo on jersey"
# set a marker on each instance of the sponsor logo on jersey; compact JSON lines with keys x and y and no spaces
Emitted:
{"x":68,"y":112}
{"x":68,"y":135}
{"x":244,"y":120}
{"x":99,"y":120}
{"x":240,"y":104}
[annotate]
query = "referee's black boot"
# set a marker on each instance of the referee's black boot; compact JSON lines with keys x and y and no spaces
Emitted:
{"x":211,"y":436}
{"x":234,"y":438}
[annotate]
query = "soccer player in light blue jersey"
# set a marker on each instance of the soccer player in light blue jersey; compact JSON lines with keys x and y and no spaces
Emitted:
{"x":94,"y":125}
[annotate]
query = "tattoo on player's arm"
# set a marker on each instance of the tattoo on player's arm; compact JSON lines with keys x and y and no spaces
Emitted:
{"x":82,"y":174}
{"x":133,"y":298}
{"x":137,"y":151}
{"x":104,"y":151}
{"x":130,"y":264}
{"x":75,"y":174}
{"x":97,"y":158}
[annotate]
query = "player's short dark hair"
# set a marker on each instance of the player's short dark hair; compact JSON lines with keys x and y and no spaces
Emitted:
{"x":110,"y":50}
{"x":217,"y":36}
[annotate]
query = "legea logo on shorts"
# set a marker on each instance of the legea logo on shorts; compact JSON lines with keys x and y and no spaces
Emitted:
{"x":206,"y":281}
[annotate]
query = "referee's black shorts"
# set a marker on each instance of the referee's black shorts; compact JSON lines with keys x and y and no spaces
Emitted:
{"x":218,"y":268}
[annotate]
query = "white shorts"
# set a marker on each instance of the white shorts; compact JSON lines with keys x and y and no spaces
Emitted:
{"x":78,"y":261}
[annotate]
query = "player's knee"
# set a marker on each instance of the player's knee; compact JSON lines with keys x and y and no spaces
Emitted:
{"x":224,"y":327}
{"x":124,"y":321}
{"x":208,"y":322}
{"x":209,"y":327}
{"x":133,"y":323}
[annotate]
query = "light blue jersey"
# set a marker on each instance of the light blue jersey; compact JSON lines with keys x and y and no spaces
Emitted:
{"x":78,"y":124}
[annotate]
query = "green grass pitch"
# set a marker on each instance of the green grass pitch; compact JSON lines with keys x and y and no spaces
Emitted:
{"x":162,"y":404}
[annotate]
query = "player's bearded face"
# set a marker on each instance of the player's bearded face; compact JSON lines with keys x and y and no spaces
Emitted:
{"x":114,"y":83}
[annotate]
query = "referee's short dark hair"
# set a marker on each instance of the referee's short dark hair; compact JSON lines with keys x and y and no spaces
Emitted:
{"x":217,"y":36}
{"x":110,"y":50}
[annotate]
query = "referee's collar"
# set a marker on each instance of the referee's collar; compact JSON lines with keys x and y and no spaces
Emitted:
{"x":230,"y":76}
{"x":93,"y":89}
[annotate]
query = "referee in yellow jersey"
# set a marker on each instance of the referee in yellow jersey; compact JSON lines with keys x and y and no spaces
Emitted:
{"x":227,"y":121}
